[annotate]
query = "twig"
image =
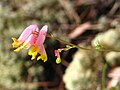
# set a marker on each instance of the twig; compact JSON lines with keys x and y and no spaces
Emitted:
{"x":65,"y":63}
{"x":114,"y":8}
{"x":70,"y":11}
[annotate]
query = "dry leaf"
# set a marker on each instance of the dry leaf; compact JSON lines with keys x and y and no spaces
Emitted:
{"x":79,"y":30}
{"x":115,"y":77}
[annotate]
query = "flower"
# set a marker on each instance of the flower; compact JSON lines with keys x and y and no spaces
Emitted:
{"x":33,"y":39}
{"x":57,"y":54}
{"x":26,"y":39}
{"x":38,"y":47}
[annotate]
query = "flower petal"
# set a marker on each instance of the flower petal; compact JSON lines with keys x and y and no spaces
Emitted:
{"x":33,"y":51}
{"x":42,"y":35}
{"x":57,"y":54}
{"x":15,"y":42}
{"x":26,"y":33}
{"x":43,"y":57}
{"x":30,"y":41}
{"x":18,"y":49}
{"x":42,"y":53}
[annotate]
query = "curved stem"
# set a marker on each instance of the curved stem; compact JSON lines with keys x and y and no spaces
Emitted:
{"x":76,"y":46}
{"x":108,"y":50}
{"x":67,"y":43}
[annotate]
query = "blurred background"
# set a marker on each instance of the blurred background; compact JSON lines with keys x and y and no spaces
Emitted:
{"x":81,"y":22}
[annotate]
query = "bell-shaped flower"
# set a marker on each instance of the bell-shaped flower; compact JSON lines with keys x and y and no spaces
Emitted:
{"x":57,"y":54}
{"x":27,"y":38}
{"x":38,"y":47}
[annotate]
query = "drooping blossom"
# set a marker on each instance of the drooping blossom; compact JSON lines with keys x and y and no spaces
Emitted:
{"x":38,"y":47}
{"x":57,"y":54}
{"x":26,"y":39}
{"x":58,"y":51}
{"x":33,"y":39}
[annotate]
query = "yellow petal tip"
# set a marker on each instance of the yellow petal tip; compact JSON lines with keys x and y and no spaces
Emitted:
{"x":15,"y":42}
{"x":17,"y":50}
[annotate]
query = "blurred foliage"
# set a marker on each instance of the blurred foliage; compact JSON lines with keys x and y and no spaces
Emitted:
{"x":82,"y":72}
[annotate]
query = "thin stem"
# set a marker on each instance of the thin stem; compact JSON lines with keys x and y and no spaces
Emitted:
{"x":76,"y":46}
{"x":108,"y":50}
{"x":67,"y":43}
{"x":103,"y":76}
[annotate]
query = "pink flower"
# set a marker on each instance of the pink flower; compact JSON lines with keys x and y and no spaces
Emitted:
{"x":38,"y":47}
{"x":26,"y":39}
{"x":57,"y":54}
{"x":34,"y":39}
